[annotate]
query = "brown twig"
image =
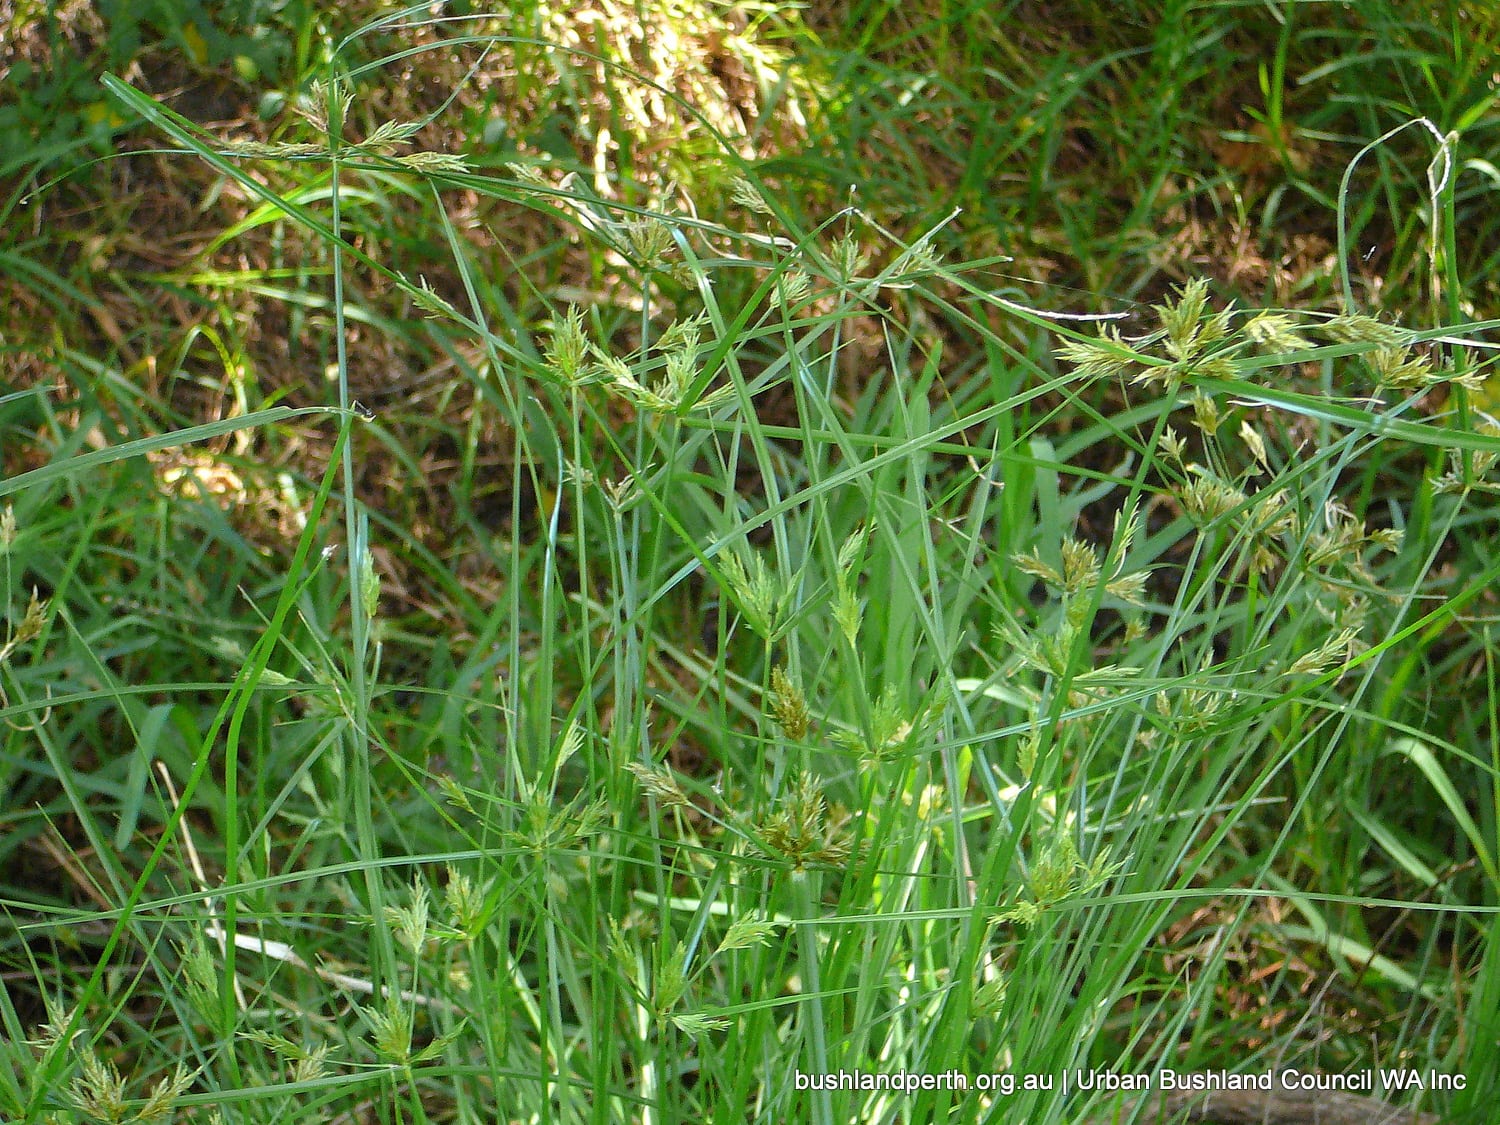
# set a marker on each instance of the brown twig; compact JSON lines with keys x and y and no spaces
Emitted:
{"x":1278,"y":1107}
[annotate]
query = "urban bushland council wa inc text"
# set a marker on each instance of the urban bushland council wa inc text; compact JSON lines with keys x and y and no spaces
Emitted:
{"x":1067,"y":1081}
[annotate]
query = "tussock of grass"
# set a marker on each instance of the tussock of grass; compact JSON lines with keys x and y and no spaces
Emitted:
{"x":494,"y":634}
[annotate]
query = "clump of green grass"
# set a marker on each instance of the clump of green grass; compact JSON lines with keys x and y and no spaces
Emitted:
{"x":1123,"y":149}
{"x":1014,"y":702}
